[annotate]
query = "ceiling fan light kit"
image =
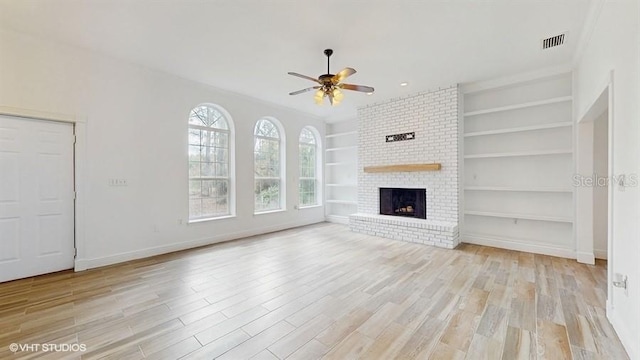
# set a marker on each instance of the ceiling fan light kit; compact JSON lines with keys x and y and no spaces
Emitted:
{"x":330,"y":85}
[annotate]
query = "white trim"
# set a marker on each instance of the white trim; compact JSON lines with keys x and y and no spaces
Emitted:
{"x":84,"y":264}
{"x":518,"y":189}
{"x":41,"y":115}
{"x":520,"y":153}
{"x":520,"y":129}
{"x":520,"y":216}
{"x":460,"y":159}
{"x":80,"y":166}
{"x":222,"y":217}
{"x":269,"y":212}
{"x":512,"y":244}
{"x":338,"y":219}
{"x":585,"y":258}
{"x":520,"y":106}
{"x":610,"y":215}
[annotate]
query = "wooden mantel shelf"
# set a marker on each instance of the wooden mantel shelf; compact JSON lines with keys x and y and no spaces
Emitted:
{"x":403,"y":168}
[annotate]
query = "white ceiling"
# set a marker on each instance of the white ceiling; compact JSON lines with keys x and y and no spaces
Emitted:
{"x":248,"y":46}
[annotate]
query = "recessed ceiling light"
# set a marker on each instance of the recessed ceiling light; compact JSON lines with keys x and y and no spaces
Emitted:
{"x":369,"y":93}
{"x":404,"y":83}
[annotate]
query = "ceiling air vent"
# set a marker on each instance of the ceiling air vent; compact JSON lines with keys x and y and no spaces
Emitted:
{"x":553,"y":41}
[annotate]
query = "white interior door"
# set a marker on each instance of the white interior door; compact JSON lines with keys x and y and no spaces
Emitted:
{"x":36,"y":197}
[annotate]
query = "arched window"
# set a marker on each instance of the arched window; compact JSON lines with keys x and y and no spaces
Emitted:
{"x":210,"y":163}
{"x":269,"y":165}
{"x":309,"y":170}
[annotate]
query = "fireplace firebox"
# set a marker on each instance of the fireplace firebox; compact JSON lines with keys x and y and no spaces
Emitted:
{"x":403,"y":202}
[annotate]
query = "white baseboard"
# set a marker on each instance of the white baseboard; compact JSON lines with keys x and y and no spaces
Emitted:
{"x":338,"y":219}
{"x":585,"y":258}
{"x":600,"y":254}
{"x":512,"y":244}
{"x":629,"y":340}
{"x":85,"y":264}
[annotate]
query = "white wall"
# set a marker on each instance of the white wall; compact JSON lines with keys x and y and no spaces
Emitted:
{"x":600,"y":191}
{"x":136,"y":126}
{"x":613,"y":46}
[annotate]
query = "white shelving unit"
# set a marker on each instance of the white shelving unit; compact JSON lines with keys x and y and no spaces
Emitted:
{"x":341,"y":155}
{"x":521,"y":153}
{"x":518,"y":166}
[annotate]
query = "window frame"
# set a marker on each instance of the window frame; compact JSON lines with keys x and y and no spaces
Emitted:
{"x":230,"y":162}
{"x":317,"y":145}
{"x":281,"y":165}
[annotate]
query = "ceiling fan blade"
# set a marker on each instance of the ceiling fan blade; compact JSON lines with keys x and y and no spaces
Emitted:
{"x":304,"y":90}
{"x":304,"y":77}
{"x":356,"y":87}
{"x":343,"y":74}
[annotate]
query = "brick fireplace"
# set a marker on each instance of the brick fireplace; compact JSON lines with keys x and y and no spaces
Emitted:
{"x":431,"y":119}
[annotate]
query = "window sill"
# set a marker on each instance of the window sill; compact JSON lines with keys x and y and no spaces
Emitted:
{"x":269,"y":212}
{"x":197,"y":221}
{"x":310,"y":206}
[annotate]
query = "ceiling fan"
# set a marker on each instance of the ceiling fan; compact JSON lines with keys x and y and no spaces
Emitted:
{"x":330,"y":84}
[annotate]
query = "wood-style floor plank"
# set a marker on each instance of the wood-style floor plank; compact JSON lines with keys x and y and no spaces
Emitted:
{"x":317,"y":292}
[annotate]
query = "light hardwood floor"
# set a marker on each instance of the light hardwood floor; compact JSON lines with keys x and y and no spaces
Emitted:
{"x":318,"y":292}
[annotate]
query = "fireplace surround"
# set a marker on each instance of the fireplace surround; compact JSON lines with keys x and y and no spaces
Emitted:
{"x":433,"y":117}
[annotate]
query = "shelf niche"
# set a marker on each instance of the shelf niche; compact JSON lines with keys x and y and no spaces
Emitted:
{"x":403,"y":168}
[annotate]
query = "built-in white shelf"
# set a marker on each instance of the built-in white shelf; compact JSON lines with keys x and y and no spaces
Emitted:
{"x":346,"y":133}
{"x":520,"y":216}
{"x":344,"y":202}
{"x":339,"y":163}
{"x":520,"y":129}
{"x":519,"y":189}
{"x":519,"y":153}
{"x":520,"y":106}
{"x":342,"y":148}
{"x":341,"y":173}
{"x":518,"y":143}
